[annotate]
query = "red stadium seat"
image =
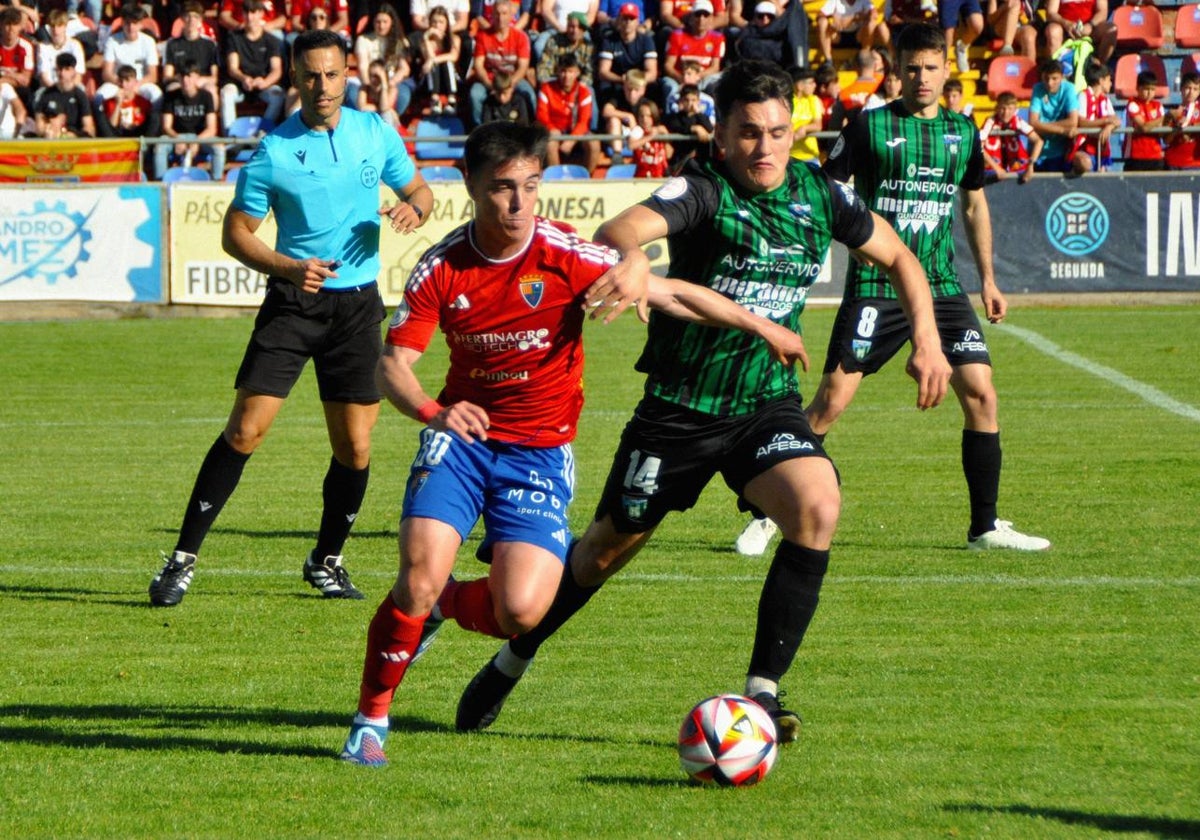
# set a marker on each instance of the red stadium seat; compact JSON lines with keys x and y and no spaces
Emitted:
{"x":1014,"y":74}
{"x":1191,"y":64}
{"x":1187,"y":26}
{"x":1138,"y":27}
{"x":1128,"y":67}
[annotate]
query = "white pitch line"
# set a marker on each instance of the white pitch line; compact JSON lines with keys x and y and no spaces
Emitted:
{"x":634,"y":577}
{"x":1147,"y":392}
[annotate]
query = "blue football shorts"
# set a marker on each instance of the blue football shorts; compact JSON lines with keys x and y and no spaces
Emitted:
{"x":522,"y":492}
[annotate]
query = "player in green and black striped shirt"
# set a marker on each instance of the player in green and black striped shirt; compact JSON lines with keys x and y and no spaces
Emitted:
{"x":755,"y":227}
{"x":909,"y":160}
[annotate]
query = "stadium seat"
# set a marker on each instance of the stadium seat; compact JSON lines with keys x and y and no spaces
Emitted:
{"x":1187,"y":26}
{"x":175,"y":174}
{"x":429,"y":129}
{"x":232,"y":175}
{"x":565,"y":172}
{"x":621,"y":170}
{"x":1138,"y":27}
{"x":1128,"y":67}
{"x":441,"y":173}
{"x":244,"y":127}
{"x":1015,"y":74}
{"x":1190,"y":64}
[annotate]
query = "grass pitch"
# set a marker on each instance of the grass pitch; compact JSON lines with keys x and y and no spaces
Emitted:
{"x":945,"y":693}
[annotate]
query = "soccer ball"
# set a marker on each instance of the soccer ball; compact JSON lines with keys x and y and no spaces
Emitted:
{"x":728,"y":740}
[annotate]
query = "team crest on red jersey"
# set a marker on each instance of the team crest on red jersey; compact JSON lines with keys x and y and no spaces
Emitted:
{"x":531,"y":289}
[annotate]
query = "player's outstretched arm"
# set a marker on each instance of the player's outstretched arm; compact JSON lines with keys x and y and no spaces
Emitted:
{"x":625,"y":283}
{"x":701,"y":305}
{"x":978,"y":220}
{"x":926,"y":364}
{"x":400,"y":385}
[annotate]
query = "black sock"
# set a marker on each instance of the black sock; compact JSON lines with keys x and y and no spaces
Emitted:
{"x":981,"y":466}
{"x":568,"y":600}
{"x":788,"y":602}
{"x":218,"y":478}
{"x":343,"y":493}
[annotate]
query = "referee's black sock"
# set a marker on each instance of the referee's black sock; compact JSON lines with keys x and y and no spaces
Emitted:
{"x":218,"y":478}
{"x":789,"y":599}
{"x":568,"y":600}
{"x":343,"y":493}
{"x":981,"y":466}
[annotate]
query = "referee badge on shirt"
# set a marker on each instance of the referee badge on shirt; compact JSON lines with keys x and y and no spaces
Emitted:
{"x":532,"y":287}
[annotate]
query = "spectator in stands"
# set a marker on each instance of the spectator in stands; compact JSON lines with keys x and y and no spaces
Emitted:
{"x":131,"y":47}
{"x":618,"y":111}
{"x":1054,"y":115}
{"x":672,"y":15}
{"x":385,"y":41}
{"x":1183,"y":151}
{"x":189,"y":116}
{"x":806,"y":113}
{"x":13,"y":114}
{"x":375,"y":93}
{"x":565,"y":107}
{"x":697,"y":42}
{"x":609,"y":14}
{"x":962,"y":21}
{"x":1144,"y":113}
{"x":833,"y":115}
{"x":691,"y":72}
{"x":855,"y":20}
{"x":1069,"y":19}
{"x":626,"y":47}
{"x":689,"y":119}
{"x":419,"y":12}
{"x":1004,"y":18}
{"x":63,"y":110}
{"x":30,"y":18}
{"x":253,"y":68}
{"x":128,"y":113}
{"x":956,"y":98}
{"x":233,"y":18}
{"x":1093,"y":152}
{"x":483,"y":14}
{"x":901,"y":13}
{"x":650,"y":155}
{"x":866,"y":81}
{"x":502,"y":49}
{"x":440,"y":48}
{"x":778,"y":38}
{"x":59,"y":43}
{"x":889,"y":90}
{"x":503,"y":103}
{"x":320,"y":14}
{"x":571,"y":40}
{"x":16,"y":54}
{"x":1007,"y":155}
{"x":192,"y":47}
{"x":554,"y":20}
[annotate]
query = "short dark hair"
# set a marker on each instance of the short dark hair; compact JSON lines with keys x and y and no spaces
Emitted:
{"x":920,"y":37}
{"x":134,"y":11}
{"x":64,"y":60}
{"x":1191,"y":77}
{"x":1095,"y":71}
{"x":11,"y":15}
{"x":750,"y":81}
{"x":566,"y":60}
{"x":800,"y":74}
{"x":952,"y":84}
{"x":494,"y":143}
{"x":1147,"y":78}
{"x":317,"y":39}
{"x":1050,"y":65}
{"x":189,"y":66}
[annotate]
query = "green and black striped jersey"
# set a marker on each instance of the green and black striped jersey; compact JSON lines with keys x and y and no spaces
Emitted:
{"x":761,"y":250}
{"x":909,"y":170}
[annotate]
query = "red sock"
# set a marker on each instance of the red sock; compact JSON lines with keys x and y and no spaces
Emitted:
{"x":392,"y":639}
{"x":470,"y":604}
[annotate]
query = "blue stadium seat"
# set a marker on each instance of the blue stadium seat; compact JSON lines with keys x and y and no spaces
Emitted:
{"x":430,"y":128}
{"x":565,"y":172}
{"x":185,"y":173}
{"x":621,"y":170}
{"x":441,"y":173}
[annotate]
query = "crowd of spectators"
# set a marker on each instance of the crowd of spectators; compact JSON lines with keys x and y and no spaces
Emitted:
{"x":634,"y":69}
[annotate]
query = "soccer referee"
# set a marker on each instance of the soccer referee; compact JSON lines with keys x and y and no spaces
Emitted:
{"x":319,"y":173}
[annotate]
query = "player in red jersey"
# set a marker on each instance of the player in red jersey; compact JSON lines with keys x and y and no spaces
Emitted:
{"x":509,"y":291}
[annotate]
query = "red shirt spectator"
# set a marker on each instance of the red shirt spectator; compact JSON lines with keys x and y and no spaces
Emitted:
{"x":338,"y":11}
{"x":501,"y":54}
{"x":1140,"y":146}
{"x":563,"y":110}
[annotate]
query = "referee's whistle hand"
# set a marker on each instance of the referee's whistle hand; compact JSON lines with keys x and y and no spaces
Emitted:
{"x":402,"y":216}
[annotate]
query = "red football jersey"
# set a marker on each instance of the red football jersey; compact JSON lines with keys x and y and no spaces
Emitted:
{"x":514,"y":327}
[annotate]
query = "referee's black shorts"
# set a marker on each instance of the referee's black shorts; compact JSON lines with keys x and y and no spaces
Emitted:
{"x":338,"y":330}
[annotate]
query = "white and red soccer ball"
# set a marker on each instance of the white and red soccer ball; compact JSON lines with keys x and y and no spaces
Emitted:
{"x":728,"y":740}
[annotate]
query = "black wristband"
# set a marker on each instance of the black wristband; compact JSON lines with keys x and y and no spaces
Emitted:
{"x":420,"y":213}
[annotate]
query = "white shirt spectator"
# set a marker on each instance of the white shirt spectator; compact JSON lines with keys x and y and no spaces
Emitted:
{"x":8,"y":120}
{"x":47,"y":53}
{"x":139,"y":54}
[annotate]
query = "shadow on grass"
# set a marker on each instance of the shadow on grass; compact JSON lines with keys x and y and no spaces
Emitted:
{"x":1165,"y":827}
{"x":118,"y":598}
{"x":640,"y":781}
{"x":308,"y":534}
{"x":173,"y":728}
